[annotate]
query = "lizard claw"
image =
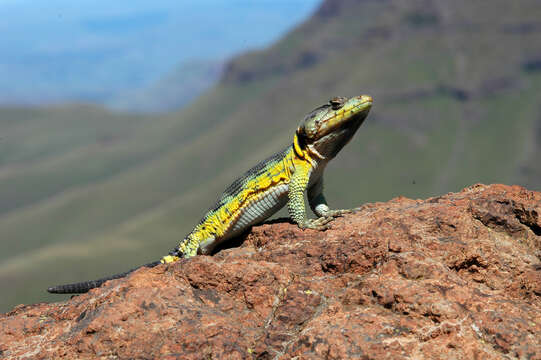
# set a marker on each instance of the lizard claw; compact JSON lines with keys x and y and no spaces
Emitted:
{"x":320,"y":224}
{"x":338,"y":213}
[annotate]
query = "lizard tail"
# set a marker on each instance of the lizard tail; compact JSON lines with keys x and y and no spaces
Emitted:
{"x":82,"y":287}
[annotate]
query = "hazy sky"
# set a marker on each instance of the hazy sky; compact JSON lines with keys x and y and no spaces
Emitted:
{"x":87,"y":49}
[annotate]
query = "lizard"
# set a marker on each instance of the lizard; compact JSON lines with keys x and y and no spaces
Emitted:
{"x":276,"y":181}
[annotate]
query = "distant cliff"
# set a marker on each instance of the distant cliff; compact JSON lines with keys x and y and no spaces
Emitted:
{"x":453,"y":276}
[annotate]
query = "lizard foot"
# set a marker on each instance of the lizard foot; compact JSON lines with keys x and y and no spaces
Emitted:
{"x":337,"y":213}
{"x":320,"y":224}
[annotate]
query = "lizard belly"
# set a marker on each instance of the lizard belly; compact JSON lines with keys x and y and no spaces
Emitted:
{"x":261,"y":207}
{"x":256,"y":210}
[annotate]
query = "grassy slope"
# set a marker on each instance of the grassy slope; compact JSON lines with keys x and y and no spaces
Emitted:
{"x":453,"y":106}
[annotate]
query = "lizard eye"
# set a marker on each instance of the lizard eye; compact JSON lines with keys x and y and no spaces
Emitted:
{"x":336,"y":102}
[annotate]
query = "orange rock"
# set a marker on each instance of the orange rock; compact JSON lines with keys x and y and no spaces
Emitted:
{"x":455,"y":276}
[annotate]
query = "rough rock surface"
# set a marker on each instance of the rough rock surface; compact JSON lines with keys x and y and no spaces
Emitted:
{"x":455,"y":277}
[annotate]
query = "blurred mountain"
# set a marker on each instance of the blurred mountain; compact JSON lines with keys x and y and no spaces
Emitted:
{"x":85,"y":192}
{"x":174,"y":90}
{"x":94,"y":51}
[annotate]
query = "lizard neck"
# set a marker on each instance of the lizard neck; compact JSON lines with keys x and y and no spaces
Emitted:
{"x":307,"y":153}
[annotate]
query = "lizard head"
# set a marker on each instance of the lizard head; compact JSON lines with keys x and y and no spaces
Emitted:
{"x":328,"y":128}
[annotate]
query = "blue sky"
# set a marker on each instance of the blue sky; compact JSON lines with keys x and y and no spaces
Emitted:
{"x":59,"y":50}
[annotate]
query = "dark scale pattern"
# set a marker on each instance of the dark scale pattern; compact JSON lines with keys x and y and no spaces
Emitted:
{"x":312,"y":114}
{"x":237,"y":186}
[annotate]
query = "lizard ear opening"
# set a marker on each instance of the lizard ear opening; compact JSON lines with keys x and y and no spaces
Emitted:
{"x":299,"y":144}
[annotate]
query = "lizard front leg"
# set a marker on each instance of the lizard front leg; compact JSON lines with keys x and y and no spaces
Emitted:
{"x":295,"y":205}
{"x":318,"y":203}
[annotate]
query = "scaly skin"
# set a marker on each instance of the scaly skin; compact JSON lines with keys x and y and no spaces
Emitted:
{"x":279,"y":180}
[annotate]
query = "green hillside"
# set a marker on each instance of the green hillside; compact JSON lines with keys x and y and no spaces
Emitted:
{"x":172,"y":91}
{"x":86,"y":193}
